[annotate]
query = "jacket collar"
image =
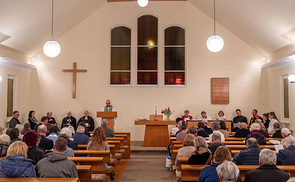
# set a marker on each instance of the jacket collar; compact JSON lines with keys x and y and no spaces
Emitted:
{"x":254,"y":146}
{"x":268,"y":167}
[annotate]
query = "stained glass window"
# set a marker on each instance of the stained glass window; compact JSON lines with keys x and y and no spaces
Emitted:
{"x":120,"y":55}
{"x":174,"y":56}
{"x":147,"y":50}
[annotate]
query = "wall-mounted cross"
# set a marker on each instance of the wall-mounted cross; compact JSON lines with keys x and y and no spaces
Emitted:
{"x":75,"y":71}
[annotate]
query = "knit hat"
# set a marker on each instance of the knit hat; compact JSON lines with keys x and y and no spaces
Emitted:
{"x":255,"y":126}
{"x":285,"y":131}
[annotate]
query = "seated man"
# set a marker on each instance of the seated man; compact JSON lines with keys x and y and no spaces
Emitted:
{"x":69,"y":120}
{"x":51,"y":119}
{"x":277,"y":129}
{"x":216,"y":127}
{"x":55,"y":164}
{"x":287,"y":156}
{"x":238,"y":119}
{"x":201,"y":131}
{"x":44,"y":121}
{"x":45,"y":143}
{"x":88,"y":120}
{"x":250,"y":156}
{"x":228,"y":171}
{"x":186,"y":116}
{"x":267,"y":170}
{"x":80,"y":137}
{"x":206,"y":128}
{"x":14,"y":120}
{"x":108,"y":132}
{"x":216,"y":142}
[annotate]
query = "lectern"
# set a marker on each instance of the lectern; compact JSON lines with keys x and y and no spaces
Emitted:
{"x":109,"y":116}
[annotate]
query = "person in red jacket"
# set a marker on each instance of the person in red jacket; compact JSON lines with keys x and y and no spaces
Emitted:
{"x":186,"y":116}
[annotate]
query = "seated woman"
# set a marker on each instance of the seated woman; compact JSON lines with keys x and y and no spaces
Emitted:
{"x":255,"y":132}
{"x":223,"y":129}
{"x":186,"y":150}
{"x":72,"y":144}
{"x":221,"y":115}
{"x":201,"y":154}
{"x":31,"y":139}
{"x":242,"y":131}
{"x":16,"y":163}
{"x":86,"y":131}
{"x":263,"y":130}
{"x":209,"y":173}
{"x":4,"y":141}
{"x":13,"y":134}
{"x":183,"y":130}
{"x":98,"y":142}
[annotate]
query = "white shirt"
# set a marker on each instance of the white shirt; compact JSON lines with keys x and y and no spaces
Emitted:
{"x":222,"y":136}
{"x":174,"y":130}
{"x":221,"y":118}
{"x":204,"y":119}
{"x":270,"y":127}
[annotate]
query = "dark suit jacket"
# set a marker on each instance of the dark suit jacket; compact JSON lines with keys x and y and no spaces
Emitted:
{"x":269,"y":173}
{"x":13,"y":122}
{"x":277,"y":134}
{"x":287,"y":156}
{"x":45,"y":143}
{"x":208,"y":130}
{"x":250,"y":156}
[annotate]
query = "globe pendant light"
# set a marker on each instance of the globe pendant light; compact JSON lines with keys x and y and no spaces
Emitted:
{"x":143,"y":3}
{"x":291,"y":78}
{"x":51,"y":48}
{"x":215,"y":43}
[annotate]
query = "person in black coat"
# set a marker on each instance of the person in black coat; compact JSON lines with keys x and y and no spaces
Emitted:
{"x":250,"y":156}
{"x":277,"y":133}
{"x":51,"y":120}
{"x":206,"y":128}
{"x":45,"y":143}
{"x":44,"y":121}
{"x":216,"y":142}
{"x":201,"y":131}
{"x":69,"y":120}
{"x":14,"y":120}
{"x":287,"y":156}
{"x":243,"y":130}
{"x":267,"y":170}
{"x":31,"y":139}
{"x":237,"y":120}
{"x":88,"y":120}
{"x":32,"y":120}
{"x":265,"y":120}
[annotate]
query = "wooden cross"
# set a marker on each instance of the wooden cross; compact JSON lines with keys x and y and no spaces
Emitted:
{"x":75,"y":71}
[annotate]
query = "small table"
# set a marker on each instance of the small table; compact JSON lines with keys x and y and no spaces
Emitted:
{"x":156,"y":132}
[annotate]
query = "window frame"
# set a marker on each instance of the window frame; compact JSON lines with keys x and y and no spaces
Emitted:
{"x":283,"y":77}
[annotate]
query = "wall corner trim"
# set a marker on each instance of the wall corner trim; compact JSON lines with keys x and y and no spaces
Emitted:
{"x":283,"y":62}
{"x":11,"y":63}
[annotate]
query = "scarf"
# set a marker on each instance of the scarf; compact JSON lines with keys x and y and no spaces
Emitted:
{"x":108,"y":108}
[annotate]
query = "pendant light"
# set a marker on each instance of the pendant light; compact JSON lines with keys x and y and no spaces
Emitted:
{"x":215,"y":43}
{"x":143,"y":3}
{"x":51,"y":48}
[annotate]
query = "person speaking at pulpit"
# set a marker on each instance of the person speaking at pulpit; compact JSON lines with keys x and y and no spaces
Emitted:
{"x":109,"y":108}
{"x":88,"y":120}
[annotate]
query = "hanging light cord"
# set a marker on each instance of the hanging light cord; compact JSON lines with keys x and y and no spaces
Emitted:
{"x":52,"y":20}
{"x":214,"y":18}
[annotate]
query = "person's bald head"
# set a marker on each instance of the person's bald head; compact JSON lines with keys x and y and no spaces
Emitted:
{"x":252,"y":141}
{"x":108,"y":102}
{"x":86,"y":113}
{"x":104,"y":122}
{"x":69,"y":113}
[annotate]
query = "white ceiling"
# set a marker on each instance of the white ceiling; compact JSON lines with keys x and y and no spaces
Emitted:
{"x":266,"y":25}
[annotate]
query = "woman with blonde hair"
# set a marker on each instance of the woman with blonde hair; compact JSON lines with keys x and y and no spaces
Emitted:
{"x":209,"y":173}
{"x":201,"y":154}
{"x":243,"y":130}
{"x":263,"y":130}
{"x":186,"y":150}
{"x":16,"y":163}
{"x":4,"y":144}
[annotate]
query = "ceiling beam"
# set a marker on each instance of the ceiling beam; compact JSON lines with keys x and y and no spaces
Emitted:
{"x":136,"y":0}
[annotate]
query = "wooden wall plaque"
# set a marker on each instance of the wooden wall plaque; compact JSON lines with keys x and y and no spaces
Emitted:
{"x":220,"y":90}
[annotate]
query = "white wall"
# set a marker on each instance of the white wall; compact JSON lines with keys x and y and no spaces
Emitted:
{"x":88,"y":44}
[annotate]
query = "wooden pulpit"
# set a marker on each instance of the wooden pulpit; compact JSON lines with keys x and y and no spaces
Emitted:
{"x":109,"y":116}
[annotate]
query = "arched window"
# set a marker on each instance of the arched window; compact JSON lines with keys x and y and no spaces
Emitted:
{"x":120,"y":55}
{"x":147,"y":50}
{"x":174,"y":56}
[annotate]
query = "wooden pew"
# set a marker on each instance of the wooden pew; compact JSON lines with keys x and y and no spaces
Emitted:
{"x":112,"y":148}
{"x":120,"y":139}
{"x":84,"y":173}
{"x":95,"y":153}
{"x":39,"y":179}
{"x":126,"y":136}
{"x":95,"y":162}
{"x":192,"y":172}
{"x":243,"y":138}
{"x":243,"y":147}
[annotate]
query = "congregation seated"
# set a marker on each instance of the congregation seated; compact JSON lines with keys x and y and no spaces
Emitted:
{"x":255,"y":133}
{"x":86,"y":130}
{"x":69,"y":151}
{"x":223,"y":129}
{"x":31,"y":139}
{"x":201,"y":131}
{"x":206,"y":128}
{"x":16,"y":164}
{"x":287,"y":156}
{"x":69,"y":120}
{"x":242,"y":131}
{"x":44,"y":121}
{"x":14,"y":120}
{"x":187,"y":149}
{"x":201,"y":154}
{"x":4,"y":144}
{"x":88,"y":120}
{"x":183,"y":130}
{"x":216,"y":127}
{"x":20,"y":128}
{"x":267,"y":170}
{"x":250,"y":156}
{"x":277,"y":129}
{"x":263,"y":130}
{"x":176,"y":128}
{"x":45,"y":143}
{"x":27,"y":127}
{"x":228,"y":171}
{"x":53,"y":131}
{"x":51,"y":120}
{"x":80,"y":137}
{"x":209,"y":173}
{"x":216,"y":142}
{"x":108,"y":132}
{"x":72,"y":144}
{"x":238,"y":120}
{"x":13,"y":134}
{"x":55,"y":164}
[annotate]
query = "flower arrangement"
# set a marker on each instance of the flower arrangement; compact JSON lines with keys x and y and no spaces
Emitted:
{"x":167,"y":112}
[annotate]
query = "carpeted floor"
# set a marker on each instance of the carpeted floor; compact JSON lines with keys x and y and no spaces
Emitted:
{"x":147,"y":166}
